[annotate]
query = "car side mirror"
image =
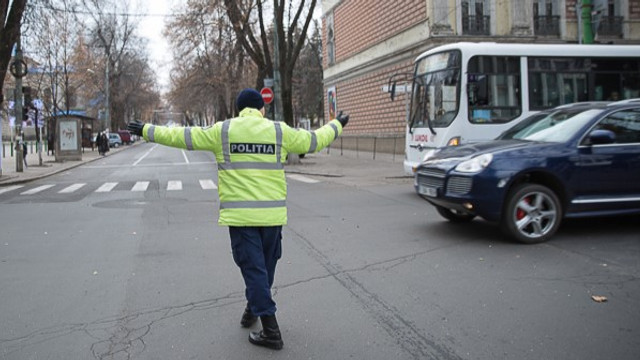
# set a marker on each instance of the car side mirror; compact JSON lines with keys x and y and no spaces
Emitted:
{"x":601,"y":136}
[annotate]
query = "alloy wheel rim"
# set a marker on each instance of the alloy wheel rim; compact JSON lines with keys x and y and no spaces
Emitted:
{"x":535,"y":215}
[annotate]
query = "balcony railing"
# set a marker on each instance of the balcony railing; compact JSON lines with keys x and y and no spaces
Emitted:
{"x":548,"y":25}
{"x":610,"y":26}
{"x":476,"y":25}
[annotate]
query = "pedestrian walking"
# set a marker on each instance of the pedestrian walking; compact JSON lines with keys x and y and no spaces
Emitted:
{"x":50,"y":145}
{"x":24,"y":153}
{"x":250,"y":151}
{"x":103,"y":144}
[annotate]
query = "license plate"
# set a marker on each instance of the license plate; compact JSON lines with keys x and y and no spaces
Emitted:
{"x":428,"y":191}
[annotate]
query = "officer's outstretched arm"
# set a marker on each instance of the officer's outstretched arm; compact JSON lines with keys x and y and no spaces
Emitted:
{"x":307,"y":142}
{"x":190,"y":138}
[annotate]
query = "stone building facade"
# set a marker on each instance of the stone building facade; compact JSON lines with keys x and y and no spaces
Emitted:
{"x":365,"y":42}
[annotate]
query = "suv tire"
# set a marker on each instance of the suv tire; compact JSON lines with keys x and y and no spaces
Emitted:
{"x":532,"y":213}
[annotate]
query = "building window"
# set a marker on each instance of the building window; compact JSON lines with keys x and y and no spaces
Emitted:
{"x":331,"y":46}
{"x":608,"y":20}
{"x":474,"y":20}
{"x":546,"y":20}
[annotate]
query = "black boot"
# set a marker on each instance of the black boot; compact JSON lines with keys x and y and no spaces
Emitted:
{"x":270,"y":334}
{"x":248,"y":319}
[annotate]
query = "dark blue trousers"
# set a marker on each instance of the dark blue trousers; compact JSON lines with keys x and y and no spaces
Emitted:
{"x":256,"y":250}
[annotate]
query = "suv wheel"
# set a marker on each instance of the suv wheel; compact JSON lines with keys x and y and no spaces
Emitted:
{"x":532,"y":213}
{"x":454,"y":216}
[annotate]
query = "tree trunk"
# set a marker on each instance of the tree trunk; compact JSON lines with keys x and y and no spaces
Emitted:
{"x":9,"y":33}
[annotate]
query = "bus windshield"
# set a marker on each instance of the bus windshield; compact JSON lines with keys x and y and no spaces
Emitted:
{"x":435,"y":93}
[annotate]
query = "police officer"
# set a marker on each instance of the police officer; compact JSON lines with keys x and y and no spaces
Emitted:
{"x":250,"y":151}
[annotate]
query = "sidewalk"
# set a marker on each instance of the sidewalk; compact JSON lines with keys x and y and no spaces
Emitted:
{"x":49,"y":166}
{"x":355,"y":167}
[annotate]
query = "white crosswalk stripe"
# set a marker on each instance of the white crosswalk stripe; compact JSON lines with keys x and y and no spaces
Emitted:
{"x":71,"y":188}
{"x":37,"y":189}
{"x":303,"y":179}
{"x":13,"y":187}
{"x":106,"y":187}
{"x":140,"y":186}
{"x":174,"y":185}
{"x":208,"y":185}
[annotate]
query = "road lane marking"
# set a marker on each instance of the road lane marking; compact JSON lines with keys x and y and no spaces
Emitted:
{"x":71,"y":188}
{"x":10,"y":188}
{"x":184,"y":154}
{"x":174,"y":185}
{"x":106,"y":187}
{"x":37,"y":190}
{"x":303,"y":179}
{"x":140,"y":186}
{"x":208,"y":185}
{"x":145,"y":155}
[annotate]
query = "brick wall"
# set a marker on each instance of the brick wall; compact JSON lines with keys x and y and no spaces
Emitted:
{"x":370,"y":110}
{"x":634,"y":9}
{"x":359,"y":24}
{"x":571,"y":9}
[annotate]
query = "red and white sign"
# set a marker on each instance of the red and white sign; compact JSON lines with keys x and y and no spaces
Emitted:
{"x":267,"y":95}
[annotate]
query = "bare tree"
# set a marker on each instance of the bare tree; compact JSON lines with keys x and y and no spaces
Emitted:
{"x":291,"y":20}
{"x":11,"y":19}
{"x":113,"y":31}
{"x":307,"y":79}
{"x":52,"y":38}
{"x":212,"y":67}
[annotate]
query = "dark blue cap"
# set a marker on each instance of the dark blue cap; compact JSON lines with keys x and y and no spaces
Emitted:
{"x":249,"y":98}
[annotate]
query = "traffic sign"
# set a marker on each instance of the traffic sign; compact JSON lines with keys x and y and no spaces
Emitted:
{"x":267,"y":95}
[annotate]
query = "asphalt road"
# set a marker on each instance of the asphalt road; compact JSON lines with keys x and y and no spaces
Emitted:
{"x":132,"y":265}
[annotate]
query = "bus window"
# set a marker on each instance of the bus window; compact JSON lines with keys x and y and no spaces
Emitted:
{"x":493,"y":89}
{"x":630,"y":86}
{"x":554,"y":82}
{"x":616,"y":79}
{"x":434,"y":101}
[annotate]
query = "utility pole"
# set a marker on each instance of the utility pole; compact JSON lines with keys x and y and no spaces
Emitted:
{"x":587,"y":30}
{"x":277,"y":93}
{"x":17,"y":107}
{"x":106,"y":87}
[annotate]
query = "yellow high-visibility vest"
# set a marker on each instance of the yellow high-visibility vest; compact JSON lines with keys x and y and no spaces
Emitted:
{"x":250,"y":151}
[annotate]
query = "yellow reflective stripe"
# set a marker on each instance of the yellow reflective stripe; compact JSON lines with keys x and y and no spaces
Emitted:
{"x":225,"y":141}
{"x":335,"y":129}
{"x":252,"y":204}
{"x":250,"y":166}
{"x":314,"y":142}
{"x":187,"y":138}
{"x":278,"y":141}
{"x":150,"y":133}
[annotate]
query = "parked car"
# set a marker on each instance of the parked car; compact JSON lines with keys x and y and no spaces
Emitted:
{"x":114,"y":140}
{"x":126,"y":137}
{"x":573,"y":161}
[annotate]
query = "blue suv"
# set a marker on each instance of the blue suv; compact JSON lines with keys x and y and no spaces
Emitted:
{"x":576,"y":160}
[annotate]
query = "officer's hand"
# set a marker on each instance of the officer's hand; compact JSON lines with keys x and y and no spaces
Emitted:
{"x":135,"y":127}
{"x":344,"y":119}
